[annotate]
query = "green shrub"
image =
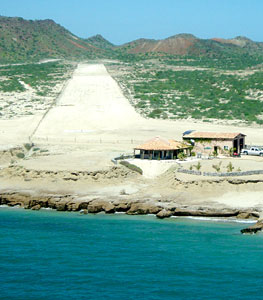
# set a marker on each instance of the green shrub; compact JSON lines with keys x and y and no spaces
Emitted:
{"x":20,"y":155}
{"x":217,"y":167}
{"x":198,"y":166}
{"x":215,"y":153}
{"x":181,"y":156}
{"x":43,"y":150}
{"x":28,"y":146}
{"x":230,"y":167}
{"x":131,"y":167}
{"x":231,"y":152}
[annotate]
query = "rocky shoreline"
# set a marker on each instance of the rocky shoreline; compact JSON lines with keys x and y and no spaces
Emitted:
{"x":128,"y":206}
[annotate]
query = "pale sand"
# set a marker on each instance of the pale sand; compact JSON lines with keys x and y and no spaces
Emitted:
{"x":92,"y":123}
{"x":240,"y":200}
{"x":17,"y":131}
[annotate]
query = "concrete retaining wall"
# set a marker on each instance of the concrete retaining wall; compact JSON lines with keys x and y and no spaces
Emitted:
{"x":191,"y":172}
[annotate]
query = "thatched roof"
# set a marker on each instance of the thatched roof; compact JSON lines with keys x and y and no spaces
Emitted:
{"x":159,"y":143}
{"x":213,"y":135}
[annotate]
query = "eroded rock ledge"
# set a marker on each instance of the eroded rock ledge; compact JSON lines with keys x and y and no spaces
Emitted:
{"x":15,"y":171}
{"x":128,"y":206}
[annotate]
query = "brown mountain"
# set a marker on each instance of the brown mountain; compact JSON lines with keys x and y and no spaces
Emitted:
{"x":188,"y":44}
{"x":178,"y":45}
{"x":242,"y":42}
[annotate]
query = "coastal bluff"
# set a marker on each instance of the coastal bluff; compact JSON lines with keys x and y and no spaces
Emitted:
{"x":128,"y":206}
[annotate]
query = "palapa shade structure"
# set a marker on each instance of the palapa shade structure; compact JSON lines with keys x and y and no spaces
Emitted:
{"x":160,"y":148}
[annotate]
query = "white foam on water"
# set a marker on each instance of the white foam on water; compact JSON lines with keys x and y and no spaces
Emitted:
{"x":11,"y":207}
{"x":215,"y":219}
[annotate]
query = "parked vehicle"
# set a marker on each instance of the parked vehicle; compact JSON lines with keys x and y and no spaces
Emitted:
{"x":252,"y":151}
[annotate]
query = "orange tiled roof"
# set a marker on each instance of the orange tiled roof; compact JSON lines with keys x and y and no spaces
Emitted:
{"x":159,"y":143}
{"x":213,"y":135}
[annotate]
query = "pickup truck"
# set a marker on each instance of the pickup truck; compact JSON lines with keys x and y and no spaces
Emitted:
{"x":252,"y":151}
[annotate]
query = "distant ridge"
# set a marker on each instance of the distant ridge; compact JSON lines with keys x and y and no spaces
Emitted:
{"x":188,"y":44}
{"x":22,"y":40}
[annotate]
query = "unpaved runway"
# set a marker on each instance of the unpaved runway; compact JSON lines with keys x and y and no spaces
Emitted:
{"x":92,"y":108}
{"x":92,"y":103}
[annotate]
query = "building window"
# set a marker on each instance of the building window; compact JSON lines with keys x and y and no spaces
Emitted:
{"x":225,"y":147}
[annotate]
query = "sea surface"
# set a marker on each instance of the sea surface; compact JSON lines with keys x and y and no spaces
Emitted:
{"x":61,"y":255}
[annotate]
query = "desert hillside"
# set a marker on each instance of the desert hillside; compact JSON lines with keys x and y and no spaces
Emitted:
{"x":31,"y":40}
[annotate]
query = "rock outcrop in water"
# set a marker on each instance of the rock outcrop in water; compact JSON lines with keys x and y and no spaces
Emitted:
{"x":164,"y":214}
{"x":224,"y":213}
{"x":254,"y":228}
{"x":97,"y":206}
{"x":143,"y":209}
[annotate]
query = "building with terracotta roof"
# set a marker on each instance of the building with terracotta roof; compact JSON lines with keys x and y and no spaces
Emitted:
{"x":160,"y":148}
{"x":215,"y":142}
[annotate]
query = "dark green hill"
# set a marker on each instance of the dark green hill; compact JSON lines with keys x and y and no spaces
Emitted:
{"x":100,"y":42}
{"x":22,"y":40}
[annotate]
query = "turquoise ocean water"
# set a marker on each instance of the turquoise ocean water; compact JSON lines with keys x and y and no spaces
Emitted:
{"x":53,"y":255}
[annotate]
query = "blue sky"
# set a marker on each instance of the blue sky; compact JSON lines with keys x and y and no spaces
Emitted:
{"x":121,"y":21}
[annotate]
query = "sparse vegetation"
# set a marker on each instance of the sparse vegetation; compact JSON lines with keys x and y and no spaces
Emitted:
{"x":30,"y":88}
{"x":159,"y":89}
{"x":217,"y":167}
